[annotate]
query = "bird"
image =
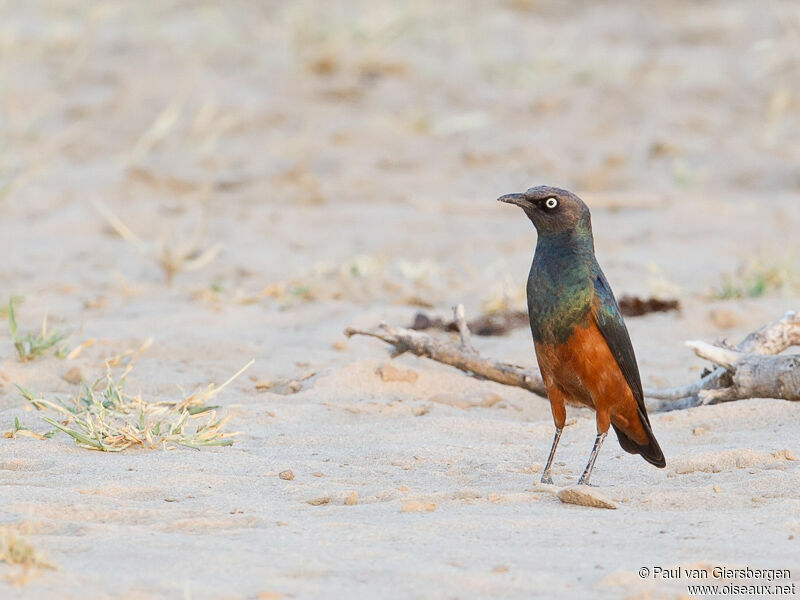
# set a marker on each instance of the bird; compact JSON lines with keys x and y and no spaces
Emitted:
{"x":582,"y":345}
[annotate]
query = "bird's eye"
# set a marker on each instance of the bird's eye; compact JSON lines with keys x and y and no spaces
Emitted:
{"x":551,"y":203}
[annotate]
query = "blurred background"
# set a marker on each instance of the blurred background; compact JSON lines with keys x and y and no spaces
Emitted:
{"x":244,"y":179}
{"x":288,"y":152}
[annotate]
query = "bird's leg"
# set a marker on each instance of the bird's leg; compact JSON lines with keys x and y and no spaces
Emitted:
{"x":598,"y":441}
{"x":546,"y":478}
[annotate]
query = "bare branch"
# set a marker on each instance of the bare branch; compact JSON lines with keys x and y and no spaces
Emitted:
{"x":772,"y":338}
{"x":754,"y":376}
{"x":463,"y":329}
{"x":744,"y":373}
{"x":422,"y":344}
{"x":722,"y":356}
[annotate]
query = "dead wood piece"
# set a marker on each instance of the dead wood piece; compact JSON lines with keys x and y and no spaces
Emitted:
{"x":421,"y":344}
{"x":633,"y":306}
{"x":489,"y":324}
{"x":463,"y":329}
{"x":752,"y":375}
{"x":746,"y":372}
{"x":502,"y":322}
{"x":772,"y":338}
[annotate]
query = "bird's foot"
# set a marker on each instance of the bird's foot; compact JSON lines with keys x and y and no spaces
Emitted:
{"x":547,"y":479}
{"x":585,"y":482}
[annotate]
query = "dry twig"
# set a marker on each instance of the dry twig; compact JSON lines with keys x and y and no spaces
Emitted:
{"x":743,"y":373}
{"x":455,"y":355}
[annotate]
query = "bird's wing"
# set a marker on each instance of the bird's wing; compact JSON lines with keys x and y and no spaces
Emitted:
{"x":609,"y":321}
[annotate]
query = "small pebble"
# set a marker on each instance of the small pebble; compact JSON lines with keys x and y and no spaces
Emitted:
{"x":583,"y":495}
{"x":286,"y":475}
{"x":416,"y":506}
{"x":319,"y":501}
{"x":500,"y":569}
{"x":73,"y":376}
{"x":389,"y":372}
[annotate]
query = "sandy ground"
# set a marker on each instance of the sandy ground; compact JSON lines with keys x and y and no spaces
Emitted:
{"x":347,"y":159}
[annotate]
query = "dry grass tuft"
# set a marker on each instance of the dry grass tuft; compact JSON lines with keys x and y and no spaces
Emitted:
{"x":175,"y":252}
{"x":505,"y":295}
{"x":31,"y":346}
{"x":103,"y":417}
{"x":361,"y":278}
{"x":17,"y":551}
{"x":14,"y":301}
{"x":756,"y":278}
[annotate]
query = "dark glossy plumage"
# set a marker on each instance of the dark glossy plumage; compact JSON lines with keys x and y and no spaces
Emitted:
{"x":610,"y":323}
{"x":582,"y":345}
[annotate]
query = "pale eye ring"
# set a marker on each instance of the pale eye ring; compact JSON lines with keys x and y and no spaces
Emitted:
{"x":551,"y":203}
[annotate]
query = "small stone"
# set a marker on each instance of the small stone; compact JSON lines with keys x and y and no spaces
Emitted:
{"x":489,"y":400}
{"x":500,"y":569}
{"x":700,"y":430}
{"x":385,"y":495}
{"x":352,"y":499}
{"x":263,"y":385}
{"x":403,"y":488}
{"x":319,"y":501}
{"x":389,"y":372}
{"x":786,"y":454}
{"x":286,"y":475}
{"x":73,"y":376}
{"x":99,"y":302}
{"x":417,"y":506}
{"x":318,"y":474}
{"x":717,"y":489}
{"x":583,"y":495}
{"x":339,"y":345}
{"x":467,"y":494}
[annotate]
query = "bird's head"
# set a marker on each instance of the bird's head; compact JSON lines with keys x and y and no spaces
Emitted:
{"x":552,"y":210}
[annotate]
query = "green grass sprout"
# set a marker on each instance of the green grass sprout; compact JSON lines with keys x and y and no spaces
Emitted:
{"x":756,"y":278}
{"x":16,"y":550}
{"x":103,"y":417}
{"x":31,"y":346}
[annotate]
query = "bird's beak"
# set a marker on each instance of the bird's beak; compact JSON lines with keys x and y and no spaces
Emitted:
{"x":518,"y":199}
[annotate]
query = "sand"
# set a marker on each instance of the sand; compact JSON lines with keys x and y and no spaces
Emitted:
{"x":346,"y":158}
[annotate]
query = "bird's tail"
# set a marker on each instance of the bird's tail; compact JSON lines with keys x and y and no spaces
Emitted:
{"x":651,"y":451}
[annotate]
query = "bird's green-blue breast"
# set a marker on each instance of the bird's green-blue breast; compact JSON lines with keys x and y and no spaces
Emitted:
{"x":560,"y":287}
